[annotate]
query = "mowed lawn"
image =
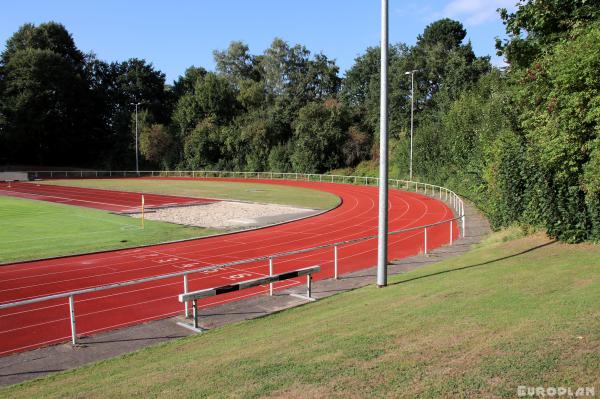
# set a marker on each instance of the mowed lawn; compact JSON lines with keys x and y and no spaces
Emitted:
{"x":255,"y":192}
{"x":35,"y":229}
{"x":523,"y":312}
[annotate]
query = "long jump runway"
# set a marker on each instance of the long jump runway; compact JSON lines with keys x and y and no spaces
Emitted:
{"x":28,"y":327}
{"x":106,"y":200}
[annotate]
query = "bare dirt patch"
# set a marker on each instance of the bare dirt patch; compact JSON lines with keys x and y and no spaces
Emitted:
{"x":229,"y":215}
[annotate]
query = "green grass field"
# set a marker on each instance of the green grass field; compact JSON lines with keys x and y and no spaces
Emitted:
{"x":35,"y":229}
{"x":522,"y":312}
{"x":267,"y":193}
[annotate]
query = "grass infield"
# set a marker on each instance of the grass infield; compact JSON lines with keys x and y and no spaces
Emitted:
{"x":520,"y":312}
{"x":255,"y":192}
{"x":35,"y":229}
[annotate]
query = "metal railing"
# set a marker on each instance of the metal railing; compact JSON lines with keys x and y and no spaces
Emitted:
{"x":186,"y":297}
{"x":428,"y":189}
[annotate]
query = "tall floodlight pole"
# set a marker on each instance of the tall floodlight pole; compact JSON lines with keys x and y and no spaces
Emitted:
{"x":137,"y":169}
{"x":383,"y":153}
{"x":412,"y":115}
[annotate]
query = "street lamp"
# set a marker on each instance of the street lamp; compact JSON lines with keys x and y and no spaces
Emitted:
{"x":382,"y":236}
{"x":412,"y":112}
{"x":137,"y":169}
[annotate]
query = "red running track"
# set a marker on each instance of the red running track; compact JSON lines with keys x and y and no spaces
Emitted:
{"x":32,"y":326}
{"x":107,"y":200}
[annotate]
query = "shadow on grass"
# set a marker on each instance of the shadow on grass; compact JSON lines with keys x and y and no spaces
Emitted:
{"x":32,"y":373}
{"x":489,"y":262}
{"x":110,"y":341}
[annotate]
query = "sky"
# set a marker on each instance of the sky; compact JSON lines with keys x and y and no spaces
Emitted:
{"x":174,"y":35}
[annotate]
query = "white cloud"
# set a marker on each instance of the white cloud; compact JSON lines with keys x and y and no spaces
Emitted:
{"x":476,"y":12}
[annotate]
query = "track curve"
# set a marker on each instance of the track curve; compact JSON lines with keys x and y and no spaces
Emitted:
{"x":32,"y":326}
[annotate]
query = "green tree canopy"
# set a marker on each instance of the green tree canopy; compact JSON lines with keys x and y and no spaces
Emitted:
{"x":538,"y":24}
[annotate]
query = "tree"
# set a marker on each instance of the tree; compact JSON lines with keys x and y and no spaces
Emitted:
{"x":360,"y":89}
{"x":289,"y":73}
{"x":185,"y":84}
{"x":127,"y":83}
{"x":560,"y":96}
{"x":50,"y":36}
{"x":155,"y":143}
{"x":319,"y":133}
{"x":444,"y":33}
{"x":236,"y":62}
{"x":201,"y":147}
{"x":445,"y":62}
{"x":537,"y":25}
{"x":216,"y":97}
{"x":44,"y":99}
{"x":212,"y":96}
{"x":357,"y":146}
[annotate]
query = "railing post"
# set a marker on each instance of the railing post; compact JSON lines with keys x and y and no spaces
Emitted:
{"x":308,"y":285}
{"x":195,"y":312}
{"x":270,"y":274}
{"x":335,"y":262}
{"x":72,"y":317}
{"x":185,"y":291}
{"x":451,"y":232}
{"x":463,"y":224}
{"x":425,"y":239}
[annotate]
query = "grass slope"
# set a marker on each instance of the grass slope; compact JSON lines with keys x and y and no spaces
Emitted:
{"x":268,"y":193}
{"x":524,"y":312}
{"x":35,"y":229}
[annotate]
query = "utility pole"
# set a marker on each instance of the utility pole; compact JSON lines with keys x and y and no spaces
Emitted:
{"x":382,"y":239}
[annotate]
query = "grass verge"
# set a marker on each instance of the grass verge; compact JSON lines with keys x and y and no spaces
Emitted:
{"x":267,"y":193}
{"x":521,"y":312}
{"x":35,"y":229}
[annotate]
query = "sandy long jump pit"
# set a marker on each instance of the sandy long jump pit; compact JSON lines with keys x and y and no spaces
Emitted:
{"x":228,"y":215}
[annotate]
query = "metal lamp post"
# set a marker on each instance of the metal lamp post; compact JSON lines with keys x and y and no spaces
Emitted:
{"x":412,"y":112}
{"x":137,"y":169}
{"x":382,"y":238}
